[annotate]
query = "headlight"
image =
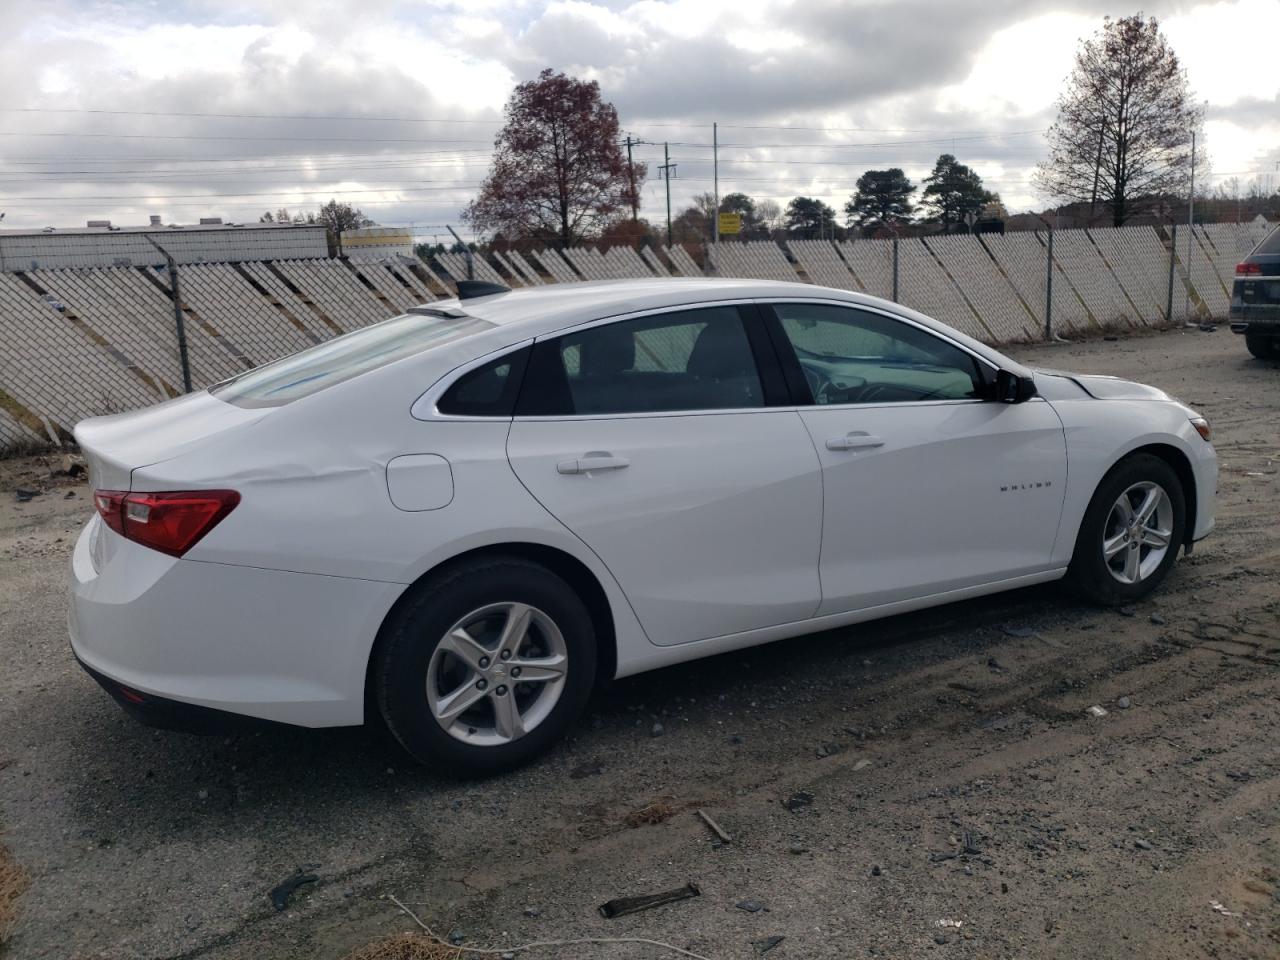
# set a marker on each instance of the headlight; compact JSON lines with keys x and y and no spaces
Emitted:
{"x":1202,"y":428}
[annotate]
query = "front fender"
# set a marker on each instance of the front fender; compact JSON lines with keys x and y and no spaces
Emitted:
{"x":1101,"y":433}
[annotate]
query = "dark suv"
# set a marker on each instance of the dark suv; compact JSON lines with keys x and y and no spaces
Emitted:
{"x":1255,"y":299}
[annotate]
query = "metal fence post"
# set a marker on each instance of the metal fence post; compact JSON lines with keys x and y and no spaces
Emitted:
{"x":179,"y":320}
{"x":895,"y":270}
{"x":1048,"y":288}
{"x":1173,"y":260}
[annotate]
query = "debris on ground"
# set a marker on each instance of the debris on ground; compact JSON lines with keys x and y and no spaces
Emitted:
{"x":718,"y":830}
{"x":282,"y":892}
{"x":621,"y":906}
{"x":766,"y":944}
{"x":1123,"y":703}
{"x":798,"y":801}
{"x":24,"y":495}
{"x":969,"y":845}
{"x":750,"y":906}
{"x":652,"y":813}
{"x":1219,"y":908}
{"x":405,"y":946}
{"x":950,"y":924}
{"x":657,"y":730}
{"x":1128,"y":611}
{"x":1097,"y":711}
{"x":1142,"y":844}
{"x":13,"y":882}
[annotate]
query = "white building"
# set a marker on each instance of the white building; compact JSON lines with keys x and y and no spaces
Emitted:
{"x":100,"y":244}
{"x":377,"y":243}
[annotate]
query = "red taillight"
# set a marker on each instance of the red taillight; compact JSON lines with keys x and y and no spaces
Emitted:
{"x":1248,"y":269}
{"x":110,"y":504}
{"x":169,"y":522}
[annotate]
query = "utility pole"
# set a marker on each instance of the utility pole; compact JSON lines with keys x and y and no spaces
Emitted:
{"x":1191,"y":229}
{"x":631,"y":175}
{"x":666,"y":168}
{"x":715,"y":174}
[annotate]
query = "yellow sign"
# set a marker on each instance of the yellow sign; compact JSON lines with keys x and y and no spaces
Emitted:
{"x":730,"y":223}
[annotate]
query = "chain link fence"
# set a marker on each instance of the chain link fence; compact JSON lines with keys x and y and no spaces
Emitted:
{"x":76,"y":343}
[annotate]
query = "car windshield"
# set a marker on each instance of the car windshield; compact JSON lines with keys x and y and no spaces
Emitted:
{"x":342,"y":358}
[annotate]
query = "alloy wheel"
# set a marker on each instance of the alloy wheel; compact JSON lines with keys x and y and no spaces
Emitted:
{"x":1138,"y":532}
{"x":497,"y":673}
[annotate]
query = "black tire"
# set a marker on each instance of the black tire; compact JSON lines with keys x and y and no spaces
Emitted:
{"x":1264,"y":348}
{"x":1089,"y":572}
{"x":417,"y":627}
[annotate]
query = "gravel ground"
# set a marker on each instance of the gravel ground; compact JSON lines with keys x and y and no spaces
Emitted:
{"x":942,"y":764}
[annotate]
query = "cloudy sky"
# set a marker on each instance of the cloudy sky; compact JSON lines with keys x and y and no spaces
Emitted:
{"x":189,"y":108}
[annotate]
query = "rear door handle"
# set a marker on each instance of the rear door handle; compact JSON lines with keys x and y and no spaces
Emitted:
{"x":856,"y":440}
{"x":591,"y":462}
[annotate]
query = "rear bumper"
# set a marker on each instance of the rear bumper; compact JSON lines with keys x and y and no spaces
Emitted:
{"x":1257,"y":319}
{"x":164,"y":714}
{"x":221,"y":638}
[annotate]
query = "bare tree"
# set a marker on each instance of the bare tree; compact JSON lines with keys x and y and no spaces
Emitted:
{"x":1124,"y":124}
{"x":340,"y":218}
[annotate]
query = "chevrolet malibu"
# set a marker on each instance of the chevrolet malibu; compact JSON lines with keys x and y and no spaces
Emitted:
{"x":461,"y":519}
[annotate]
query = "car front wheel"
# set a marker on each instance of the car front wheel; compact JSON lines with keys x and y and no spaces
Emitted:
{"x":1131,"y":532}
{"x":485,"y":666}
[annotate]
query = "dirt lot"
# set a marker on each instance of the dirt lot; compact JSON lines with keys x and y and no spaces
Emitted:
{"x":942,"y":766}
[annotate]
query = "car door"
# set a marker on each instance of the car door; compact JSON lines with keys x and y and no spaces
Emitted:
{"x":928,"y":486}
{"x":656,"y":440}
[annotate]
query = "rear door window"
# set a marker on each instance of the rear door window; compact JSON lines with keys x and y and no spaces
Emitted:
{"x":699,"y":359}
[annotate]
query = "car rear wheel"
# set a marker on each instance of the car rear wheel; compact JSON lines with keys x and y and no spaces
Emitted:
{"x":486,"y":666}
{"x":1131,"y":532}
{"x":1264,"y":348}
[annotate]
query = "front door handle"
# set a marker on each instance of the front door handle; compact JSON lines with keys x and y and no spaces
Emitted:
{"x":857,"y":440}
{"x":591,"y":462}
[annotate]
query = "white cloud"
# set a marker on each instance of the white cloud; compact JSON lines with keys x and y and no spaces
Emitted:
{"x":904,"y":79}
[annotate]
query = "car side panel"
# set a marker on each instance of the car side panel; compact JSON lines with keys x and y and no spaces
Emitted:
{"x":315,"y":501}
{"x":1100,"y":433}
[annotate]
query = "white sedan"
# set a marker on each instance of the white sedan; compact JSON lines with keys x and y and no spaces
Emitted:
{"x":462,"y":518}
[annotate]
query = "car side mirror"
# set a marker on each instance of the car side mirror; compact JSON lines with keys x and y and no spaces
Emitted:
{"x":1011,"y":388}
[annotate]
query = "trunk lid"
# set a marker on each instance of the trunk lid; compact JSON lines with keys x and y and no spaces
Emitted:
{"x":115,"y":446}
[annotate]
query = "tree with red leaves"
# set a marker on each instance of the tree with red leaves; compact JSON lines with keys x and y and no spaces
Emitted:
{"x":558,"y":169}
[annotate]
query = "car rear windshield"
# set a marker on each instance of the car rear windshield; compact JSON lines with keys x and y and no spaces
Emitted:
{"x":1269,"y":247}
{"x":342,"y":358}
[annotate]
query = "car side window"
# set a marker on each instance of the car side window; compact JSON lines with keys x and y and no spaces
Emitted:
{"x":856,"y":356}
{"x":697,"y":359}
{"x":489,"y":390}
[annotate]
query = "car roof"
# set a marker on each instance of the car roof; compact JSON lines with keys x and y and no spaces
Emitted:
{"x":535,"y":311}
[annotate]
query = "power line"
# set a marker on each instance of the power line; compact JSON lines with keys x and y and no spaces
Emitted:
{"x":244,"y":116}
{"x":177,"y":136}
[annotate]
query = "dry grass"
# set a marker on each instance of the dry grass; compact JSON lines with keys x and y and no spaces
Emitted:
{"x":405,"y":946}
{"x":13,"y":881}
{"x":653,"y":812}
